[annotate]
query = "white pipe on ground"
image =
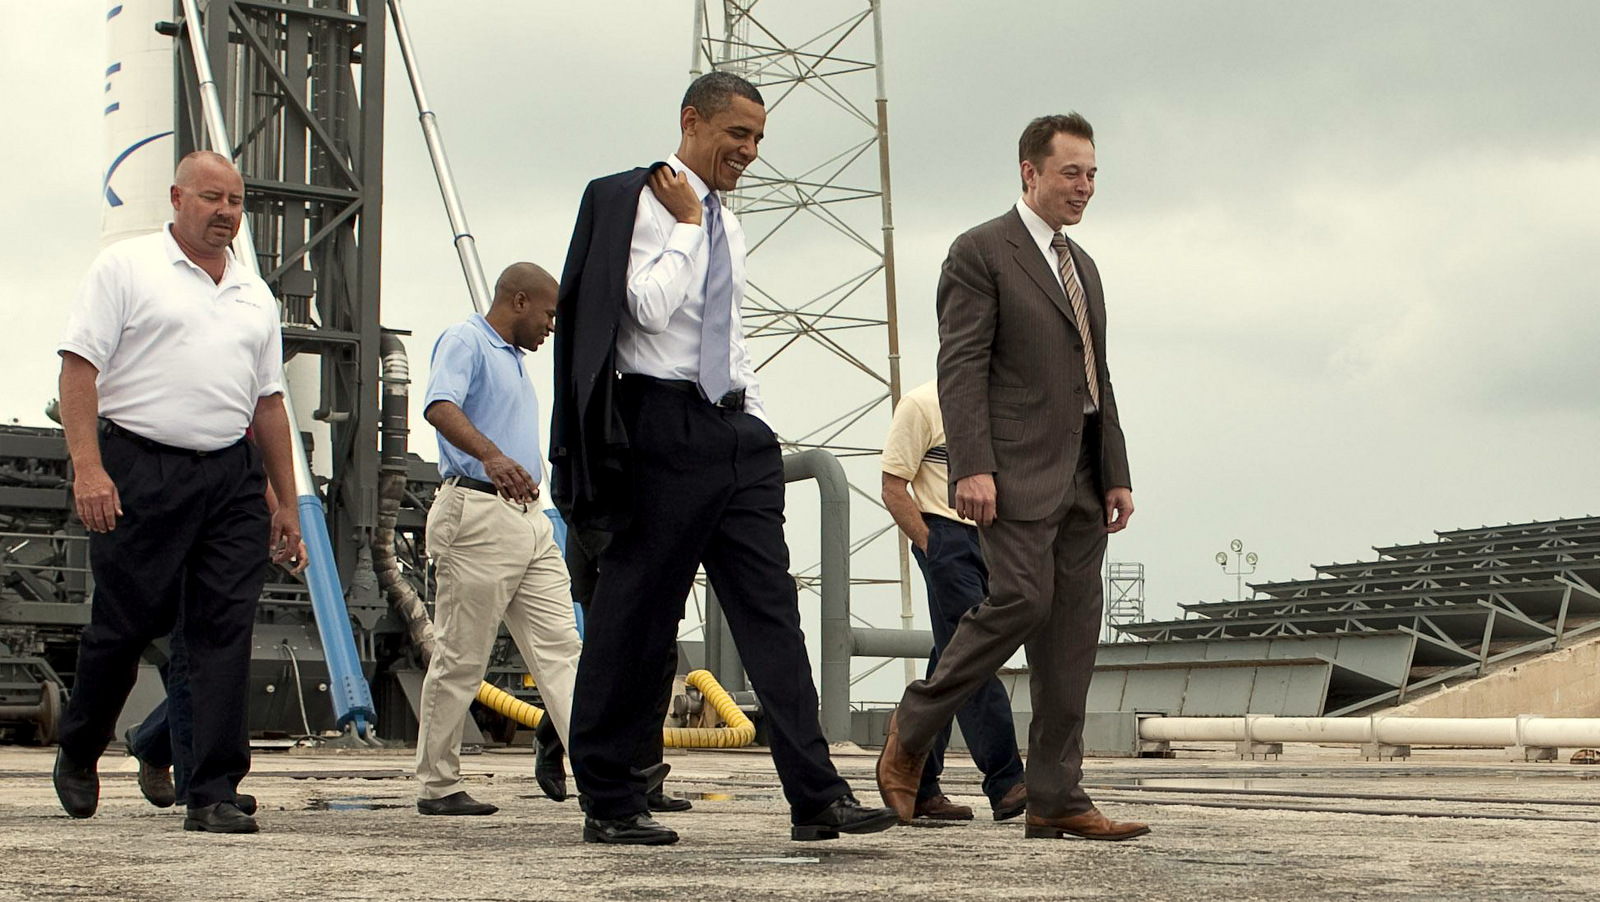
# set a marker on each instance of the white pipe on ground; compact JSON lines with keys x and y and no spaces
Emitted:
{"x":1489,"y":732}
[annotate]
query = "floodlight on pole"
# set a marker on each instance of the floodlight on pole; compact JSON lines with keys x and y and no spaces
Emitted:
{"x":1241,"y":559}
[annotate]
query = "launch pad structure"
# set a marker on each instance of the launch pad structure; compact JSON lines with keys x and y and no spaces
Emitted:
{"x":300,"y":96}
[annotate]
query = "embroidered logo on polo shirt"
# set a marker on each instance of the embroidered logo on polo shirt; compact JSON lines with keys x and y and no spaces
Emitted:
{"x":241,"y":299}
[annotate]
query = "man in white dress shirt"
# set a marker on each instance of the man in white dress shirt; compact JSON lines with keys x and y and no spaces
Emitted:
{"x":704,"y":471}
{"x":172,"y":352}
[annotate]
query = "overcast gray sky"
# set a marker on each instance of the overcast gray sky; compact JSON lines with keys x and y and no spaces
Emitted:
{"x":1347,"y":248}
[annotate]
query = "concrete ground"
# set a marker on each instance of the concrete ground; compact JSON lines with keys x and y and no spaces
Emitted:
{"x":343,"y":827}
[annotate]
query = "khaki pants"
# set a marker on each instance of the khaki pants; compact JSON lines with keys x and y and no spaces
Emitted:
{"x":494,"y":560}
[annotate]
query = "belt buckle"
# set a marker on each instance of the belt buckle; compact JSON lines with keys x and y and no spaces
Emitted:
{"x":733,"y":400}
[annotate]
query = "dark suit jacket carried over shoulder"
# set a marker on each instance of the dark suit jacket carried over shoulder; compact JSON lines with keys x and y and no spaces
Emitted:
{"x":590,"y":478}
{"x":1011,"y":375}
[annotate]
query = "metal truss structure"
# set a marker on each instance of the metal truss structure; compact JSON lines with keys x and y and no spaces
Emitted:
{"x":1124,"y":597}
{"x":301,"y":83}
{"x":1363,"y":635}
{"x":819,"y":310}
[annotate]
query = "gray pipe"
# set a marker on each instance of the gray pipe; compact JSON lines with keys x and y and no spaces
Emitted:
{"x":836,"y":640}
{"x":402,"y":595}
{"x":396,"y":380}
{"x":871,"y":643}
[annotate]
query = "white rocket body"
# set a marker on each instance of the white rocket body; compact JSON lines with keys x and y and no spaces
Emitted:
{"x":139,"y":115}
{"x":140,"y":154}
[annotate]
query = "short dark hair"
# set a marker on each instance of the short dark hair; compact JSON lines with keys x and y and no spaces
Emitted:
{"x":713,"y":93}
{"x":1034,"y":145}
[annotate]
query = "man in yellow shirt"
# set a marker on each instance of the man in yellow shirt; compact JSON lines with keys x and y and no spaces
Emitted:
{"x":916,"y":475}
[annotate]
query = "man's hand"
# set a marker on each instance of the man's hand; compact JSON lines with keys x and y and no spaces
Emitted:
{"x":1119,"y":509}
{"x":301,"y":560}
{"x":676,"y":194}
{"x":510,"y":479}
{"x":975,"y":498}
{"x":96,"y":496}
{"x":284,"y":543}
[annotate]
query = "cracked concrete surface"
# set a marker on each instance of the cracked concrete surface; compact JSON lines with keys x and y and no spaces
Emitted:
{"x":343,"y":827}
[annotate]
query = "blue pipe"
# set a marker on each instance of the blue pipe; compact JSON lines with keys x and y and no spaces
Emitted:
{"x":352,"y":699}
{"x":560,"y":524}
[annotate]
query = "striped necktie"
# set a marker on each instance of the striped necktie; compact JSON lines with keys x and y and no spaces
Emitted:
{"x":1080,"y":312}
{"x":716,"y":315}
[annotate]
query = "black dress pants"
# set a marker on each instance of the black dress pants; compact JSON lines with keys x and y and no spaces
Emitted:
{"x":708,"y":489}
{"x":191,"y":544}
{"x":584,"y":547}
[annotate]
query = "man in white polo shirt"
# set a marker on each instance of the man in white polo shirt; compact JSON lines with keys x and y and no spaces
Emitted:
{"x":494,"y":549}
{"x":172,"y":351}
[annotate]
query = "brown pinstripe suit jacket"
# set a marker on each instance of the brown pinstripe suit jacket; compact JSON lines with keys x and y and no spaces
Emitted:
{"x":1011,"y":375}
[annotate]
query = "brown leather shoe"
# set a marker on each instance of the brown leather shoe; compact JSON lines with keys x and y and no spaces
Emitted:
{"x":940,"y":808}
{"x":1089,"y":825}
{"x":899,"y":773}
{"x":1013,"y":803}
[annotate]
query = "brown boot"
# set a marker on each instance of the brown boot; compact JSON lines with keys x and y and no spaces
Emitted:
{"x":1089,"y":825}
{"x":940,"y":808}
{"x":1013,"y":803}
{"x":899,"y":773}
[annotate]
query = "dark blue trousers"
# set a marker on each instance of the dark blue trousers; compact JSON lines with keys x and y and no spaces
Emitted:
{"x":958,"y":580}
{"x":166,"y":738}
{"x":191,"y":547}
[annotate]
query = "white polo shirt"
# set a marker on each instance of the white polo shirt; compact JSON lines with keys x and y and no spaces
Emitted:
{"x":182,"y":359}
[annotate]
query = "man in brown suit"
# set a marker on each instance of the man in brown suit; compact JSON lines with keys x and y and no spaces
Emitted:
{"x":1038,"y":461}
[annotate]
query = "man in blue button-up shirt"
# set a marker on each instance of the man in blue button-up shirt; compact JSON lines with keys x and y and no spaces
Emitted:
{"x":494,"y":550}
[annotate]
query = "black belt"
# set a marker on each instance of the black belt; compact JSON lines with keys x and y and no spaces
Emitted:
{"x":109,"y":428}
{"x":478,"y":485}
{"x":733,"y":400}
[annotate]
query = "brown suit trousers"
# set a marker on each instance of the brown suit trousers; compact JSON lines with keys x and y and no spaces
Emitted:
{"x":1012,"y":388}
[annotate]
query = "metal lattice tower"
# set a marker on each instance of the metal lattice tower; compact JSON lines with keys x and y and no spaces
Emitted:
{"x":819,"y":308}
{"x":301,"y":84}
{"x":1124,"y":597}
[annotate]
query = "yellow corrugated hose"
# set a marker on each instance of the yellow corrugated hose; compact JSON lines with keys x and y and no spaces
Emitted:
{"x":738,"y":732}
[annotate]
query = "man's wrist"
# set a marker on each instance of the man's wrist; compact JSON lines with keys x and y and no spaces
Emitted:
{"x":88,"y":462}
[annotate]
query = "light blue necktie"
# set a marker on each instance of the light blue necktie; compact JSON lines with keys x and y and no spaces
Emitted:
{"x":717,"y":314}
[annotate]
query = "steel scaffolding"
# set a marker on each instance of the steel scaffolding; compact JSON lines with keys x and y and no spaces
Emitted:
{"x":1124,"y":598}
{"x":819,"y":309}
{"x":301,"y":85}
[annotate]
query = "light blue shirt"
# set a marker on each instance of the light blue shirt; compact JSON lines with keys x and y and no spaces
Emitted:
{"x":481,"y":373}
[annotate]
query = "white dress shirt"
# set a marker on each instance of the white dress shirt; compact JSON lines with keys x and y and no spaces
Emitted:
{"x":182,"y":359}
{"x":1042,"y":234}
{"x":660,"y":337}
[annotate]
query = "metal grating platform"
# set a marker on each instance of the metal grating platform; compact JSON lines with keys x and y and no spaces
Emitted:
{"x":1368,"y":634}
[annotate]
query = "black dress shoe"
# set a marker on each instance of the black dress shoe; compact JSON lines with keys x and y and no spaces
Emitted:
{"x":155,"y":783}
{"x":843,"y":815}
{"x":222,"y":817}
{"x":456,"y":803}
{"x":633,"y":830}
{"x":549,"y":770}
{"x":77,"y":787}
{"x":660,"y":801}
